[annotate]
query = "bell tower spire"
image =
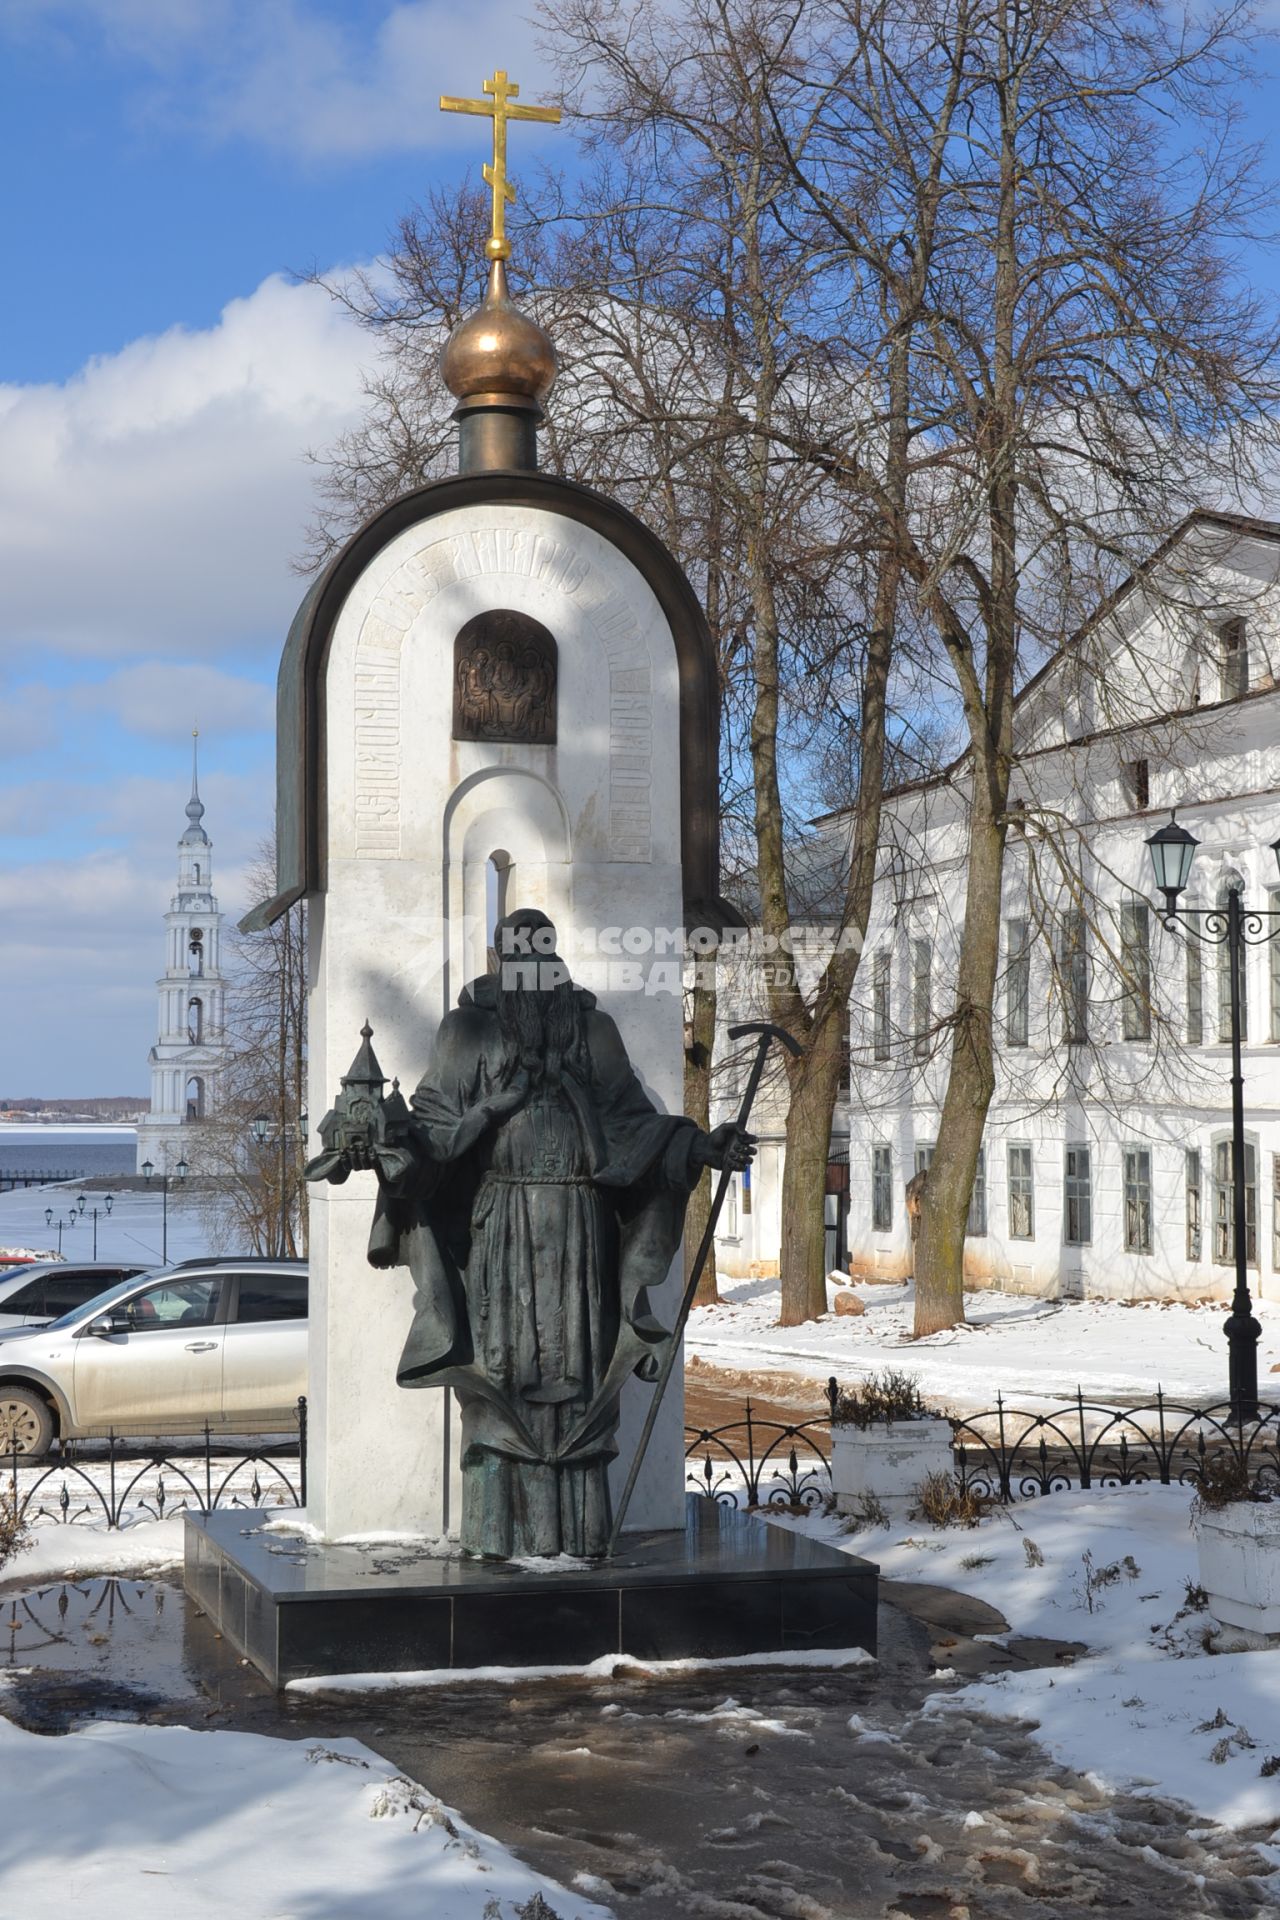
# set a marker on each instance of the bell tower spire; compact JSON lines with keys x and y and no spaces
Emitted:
{"x":189,"y":1057}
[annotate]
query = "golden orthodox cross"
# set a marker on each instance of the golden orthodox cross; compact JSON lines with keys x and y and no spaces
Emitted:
{"x":499,"y":109}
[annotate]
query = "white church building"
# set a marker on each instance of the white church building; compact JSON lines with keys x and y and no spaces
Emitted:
{"x":189,"y":1054}
{"x":1106,"y":1170}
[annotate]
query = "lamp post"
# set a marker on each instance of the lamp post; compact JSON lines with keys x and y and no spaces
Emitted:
{"x":1172,"y":851}
{"x":48,"y":1220}
{"x":181,"y":1170}
{"x":108,"y":1201}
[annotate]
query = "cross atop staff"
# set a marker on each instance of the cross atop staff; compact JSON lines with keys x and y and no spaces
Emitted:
{"x":499,"y":109}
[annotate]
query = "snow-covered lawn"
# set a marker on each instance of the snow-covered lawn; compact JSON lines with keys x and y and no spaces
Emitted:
{"x":1035,"y":1352}
{"x":146,"y":1823}
{"x":1147,"y":1707}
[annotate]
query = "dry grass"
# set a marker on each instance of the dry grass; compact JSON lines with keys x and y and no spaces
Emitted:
{"x":943,"y":1502}
{"x":15,"y":1533}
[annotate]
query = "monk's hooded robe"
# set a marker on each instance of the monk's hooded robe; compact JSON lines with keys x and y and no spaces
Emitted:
{"x":533,"y":1248}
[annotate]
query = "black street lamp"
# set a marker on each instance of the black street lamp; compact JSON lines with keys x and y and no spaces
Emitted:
{"x":1172,"y":852}
{"x":181,"y":1170}
{"x":108,"y":1201}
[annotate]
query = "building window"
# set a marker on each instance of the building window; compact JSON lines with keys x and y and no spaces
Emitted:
{"x":882,"y":1189}
{"x":1193,"y":1203}
{"x":1017,"y":987}
{"x":195,"y":953}
{"x":1022,"y":1196}
{"x":1077,"y":1211}
{"x":976,"y":1223}
{"x":1195,"y":992}
{"x":195,"y":1022}
{"x":1232,"y":884}
{"x":195,"y":1099}
{"x":1074,"y":965}
{"x":1137,"y":1199}
{"x":1275,"y":1211}
{"x":1224,"y":1239}
{"x":921,"y":995}
{"x":924,"y":1156}
{"x":1233,"y":660}
{"x":1137,"y":780}
{"x":880,"y":1005}
{"x":1135,"y":963}
{"x":1273,"y":955}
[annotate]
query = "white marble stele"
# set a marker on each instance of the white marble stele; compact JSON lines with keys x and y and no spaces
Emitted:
{"x":587,"y":829}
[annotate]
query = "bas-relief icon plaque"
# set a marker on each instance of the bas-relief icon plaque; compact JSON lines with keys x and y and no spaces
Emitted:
{"x":504,"y":680}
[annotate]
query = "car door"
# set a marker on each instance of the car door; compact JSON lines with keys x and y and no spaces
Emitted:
{"x":162,"y":1371}
{"x":264,"y":1364}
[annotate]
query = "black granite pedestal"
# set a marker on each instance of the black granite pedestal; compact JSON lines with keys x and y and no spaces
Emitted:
{"x":727,"y":1584}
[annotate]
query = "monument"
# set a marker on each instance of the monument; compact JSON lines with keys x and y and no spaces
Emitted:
{"x":498,"y":791}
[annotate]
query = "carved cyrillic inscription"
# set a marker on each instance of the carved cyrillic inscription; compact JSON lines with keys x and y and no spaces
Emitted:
{"x":504,"y":680}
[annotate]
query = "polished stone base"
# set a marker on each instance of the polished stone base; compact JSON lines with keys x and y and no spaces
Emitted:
{"x":728,"y":1584}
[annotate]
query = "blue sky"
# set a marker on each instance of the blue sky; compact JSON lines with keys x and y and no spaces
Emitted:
{"x":169,"y":164}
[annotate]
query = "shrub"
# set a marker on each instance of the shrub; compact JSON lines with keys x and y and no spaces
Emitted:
{"x":943,"y":1502}
{"x":15,"y":1533}
{"x":881,"y":1398}
{"x":1224,"y":1480}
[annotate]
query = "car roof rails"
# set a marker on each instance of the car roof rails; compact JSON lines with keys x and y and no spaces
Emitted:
{"x":238,"y":1260}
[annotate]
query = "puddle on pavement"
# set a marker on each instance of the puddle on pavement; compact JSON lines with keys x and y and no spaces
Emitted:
{"x":105,"y":1648}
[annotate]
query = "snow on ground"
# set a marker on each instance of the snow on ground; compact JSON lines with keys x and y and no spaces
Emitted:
{"x":1147,"y":1707}
{"x":55,"y":1552}
{"x":142,"y":1823}
{"x":1033,"y":1351}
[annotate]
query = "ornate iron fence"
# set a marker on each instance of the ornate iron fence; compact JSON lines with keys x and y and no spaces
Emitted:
{"x":1004,"y":1454}
{"x":116,"y":1482}
{"x":1008,"y":1454}
{"x":762,"y":1463}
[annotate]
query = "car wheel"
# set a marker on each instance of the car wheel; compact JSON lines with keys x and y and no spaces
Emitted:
{"x":26,"y":1424}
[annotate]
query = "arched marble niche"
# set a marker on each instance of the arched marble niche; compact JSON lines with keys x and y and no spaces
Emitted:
{"x":505,"y":669}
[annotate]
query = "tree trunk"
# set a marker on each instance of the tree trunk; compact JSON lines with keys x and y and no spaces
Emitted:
{"x":697,"y":1104}
{"x":939,"y":1252}
{"x":815,"y":1082}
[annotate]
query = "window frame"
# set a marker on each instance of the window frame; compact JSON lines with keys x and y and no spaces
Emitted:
{"x":1081,"y":1198}
{"x":1223,"y":1201}
{"x":1017,"y":991}
{"x":1074,"y":966}
{"x":1193,"y":1203}
{"x":1137,"y":1199}
{"x":881,"y":1004}
{"x":1135,"y":961}
{"x":881,"y":1188}
{"x":976,"y":1225}
{"x":1016,"y":1182}
{"x":921,"y":995}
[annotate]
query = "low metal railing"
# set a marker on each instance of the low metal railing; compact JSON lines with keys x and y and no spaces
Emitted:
{"x":116,"y":1481}
{"x":1006,"y":1453}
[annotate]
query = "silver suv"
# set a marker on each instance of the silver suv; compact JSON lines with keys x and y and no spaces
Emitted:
{"x":222,"y":1342}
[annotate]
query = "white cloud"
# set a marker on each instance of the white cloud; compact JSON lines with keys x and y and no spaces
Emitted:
{"x":320,"y":82}
{"x":153,"y":503}
{"x":157,"y":698}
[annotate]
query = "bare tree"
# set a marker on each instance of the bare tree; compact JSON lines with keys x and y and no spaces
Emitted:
{"x":1086,"y":366}
{"x":253,"y":1195}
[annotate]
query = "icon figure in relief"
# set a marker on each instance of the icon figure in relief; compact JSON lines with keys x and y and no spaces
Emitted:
{"x":537,"y":1195}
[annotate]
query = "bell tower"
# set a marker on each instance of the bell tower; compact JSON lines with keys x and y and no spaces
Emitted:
{"x":189,"y":1055}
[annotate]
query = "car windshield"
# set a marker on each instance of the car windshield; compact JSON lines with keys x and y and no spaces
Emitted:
{"x":101,"y":1301}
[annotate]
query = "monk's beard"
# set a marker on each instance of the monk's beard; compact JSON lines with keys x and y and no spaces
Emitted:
{"x":541,"y":1026}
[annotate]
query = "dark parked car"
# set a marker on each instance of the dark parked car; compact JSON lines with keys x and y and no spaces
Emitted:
{"x":41,"y":1290}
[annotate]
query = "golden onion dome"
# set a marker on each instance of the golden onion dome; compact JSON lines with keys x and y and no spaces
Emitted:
{"x":499,"y":351}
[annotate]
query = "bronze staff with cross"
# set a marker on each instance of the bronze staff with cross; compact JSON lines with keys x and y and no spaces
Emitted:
{"x":499,"y":109}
